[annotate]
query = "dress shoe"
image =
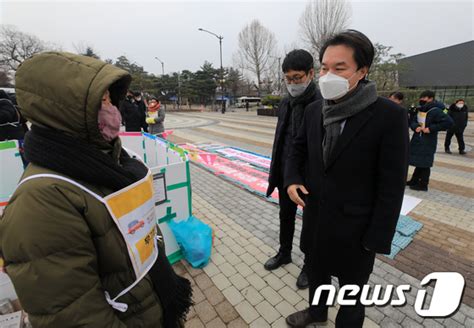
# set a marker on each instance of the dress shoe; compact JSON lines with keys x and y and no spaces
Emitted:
{"x":419,"y":187}
{"x":447,"y":151}
{"x":462,"y":152}
{"x":302,"y":281}
{"x":411,"y":182}
{"x":277,"y":261}
{"x":303,"y":318}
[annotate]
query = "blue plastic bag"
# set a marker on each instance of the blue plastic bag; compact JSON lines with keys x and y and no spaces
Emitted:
{"x":195,"y":239}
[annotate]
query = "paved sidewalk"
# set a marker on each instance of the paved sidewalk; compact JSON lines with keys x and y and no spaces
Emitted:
{"x":246,"y":234}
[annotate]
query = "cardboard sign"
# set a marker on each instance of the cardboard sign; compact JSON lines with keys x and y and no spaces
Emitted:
{"x":11,"y":167}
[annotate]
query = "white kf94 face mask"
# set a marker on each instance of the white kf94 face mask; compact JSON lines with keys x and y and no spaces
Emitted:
{"x":333,"y":86}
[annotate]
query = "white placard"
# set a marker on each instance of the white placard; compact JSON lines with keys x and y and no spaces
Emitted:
{"x":159,"y":185}
{"x":11,"y":320}
{"x":409,"y":203}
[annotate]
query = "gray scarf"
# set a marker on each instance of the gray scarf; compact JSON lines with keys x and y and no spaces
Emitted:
{"x":364,"y":95}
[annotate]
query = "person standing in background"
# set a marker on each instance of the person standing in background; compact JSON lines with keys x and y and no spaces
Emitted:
{"x":396,"y":97}
{"x":138,"y":97}
{"x":459,"y":113}
{"x":428,"y":121}
{"x":155,"y":117}
{"x":132,"y":116}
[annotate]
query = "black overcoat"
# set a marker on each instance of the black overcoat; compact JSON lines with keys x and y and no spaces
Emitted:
{"x":355,"y":199}
{"x":275,"y":177}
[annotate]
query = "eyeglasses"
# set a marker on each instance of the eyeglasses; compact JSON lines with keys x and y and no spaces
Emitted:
{"x":295,"y":79}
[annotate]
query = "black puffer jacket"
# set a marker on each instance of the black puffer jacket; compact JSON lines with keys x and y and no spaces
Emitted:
{"x":133,"y":116}
{"x":459,"y":116}
{"x":10,"y":125}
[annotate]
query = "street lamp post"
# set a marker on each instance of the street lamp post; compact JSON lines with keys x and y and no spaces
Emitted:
{"x":220,"y":37}
{"x":162,"y":66}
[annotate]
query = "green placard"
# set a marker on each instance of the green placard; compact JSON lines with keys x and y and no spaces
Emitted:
{"x":169,"y":215}
{"x":175,"y":257}
{"x":7,"y":145}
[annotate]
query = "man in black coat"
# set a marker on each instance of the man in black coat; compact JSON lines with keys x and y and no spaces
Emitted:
{"x":133,"y":117}
{"x":10,"y":125}
{"x":459,"y":113}
{"x":350,"y":161}
{"x":141,"y":106}
{"x":298,"y":67}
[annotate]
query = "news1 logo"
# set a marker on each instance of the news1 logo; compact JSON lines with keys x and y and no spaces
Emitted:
{"x":445,"y":300}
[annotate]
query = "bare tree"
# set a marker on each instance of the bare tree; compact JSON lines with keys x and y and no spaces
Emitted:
{"x":85,"y":49}
{"x":16,"y":46}
{"x":386,"y":67}
{"x":256,"y":45}
{"x":321,"y":19}
{"x":238,"y":62}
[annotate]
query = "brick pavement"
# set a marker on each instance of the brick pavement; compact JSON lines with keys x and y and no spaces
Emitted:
{"x":211,"y":308}
{"x":246,"y":233}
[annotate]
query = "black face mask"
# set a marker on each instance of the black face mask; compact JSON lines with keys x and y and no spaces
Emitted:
{"x":422,"y":102}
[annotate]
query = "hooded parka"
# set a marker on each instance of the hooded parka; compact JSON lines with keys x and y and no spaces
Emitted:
{"x":61,"y":247}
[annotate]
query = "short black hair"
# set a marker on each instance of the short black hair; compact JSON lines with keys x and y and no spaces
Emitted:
{"x":397,"y":95}
{"x":458,"y":100}
{"x":428,"y":93}
{"x":4,"y":95}
{"x":298,"y":60}
{"x":364,"y":50}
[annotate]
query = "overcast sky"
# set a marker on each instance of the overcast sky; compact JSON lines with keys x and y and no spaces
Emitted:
{"x":169,"y":29}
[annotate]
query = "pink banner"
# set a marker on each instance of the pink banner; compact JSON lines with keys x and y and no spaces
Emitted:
{"x":254,"y":159}
{"x":208,"y":158}
{"x":130,"y":134}
{"x":241,"y":173}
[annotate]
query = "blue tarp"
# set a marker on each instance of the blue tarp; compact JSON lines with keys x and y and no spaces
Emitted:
{"x":405,"y":231}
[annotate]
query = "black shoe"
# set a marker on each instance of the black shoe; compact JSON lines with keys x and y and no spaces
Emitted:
{"x":277,"y":261}
{"x":447,"y":151}
{"x":303,"y":318}
{"x":411,"y":182}
{"x":302,"y":281}
{"x":419,"y":187}
{"x":462,"y":152}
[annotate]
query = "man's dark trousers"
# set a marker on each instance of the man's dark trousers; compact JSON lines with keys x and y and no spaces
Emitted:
{"x":347,"y":316}
{"x":287,"y":224}
{"x":459,"y":136}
